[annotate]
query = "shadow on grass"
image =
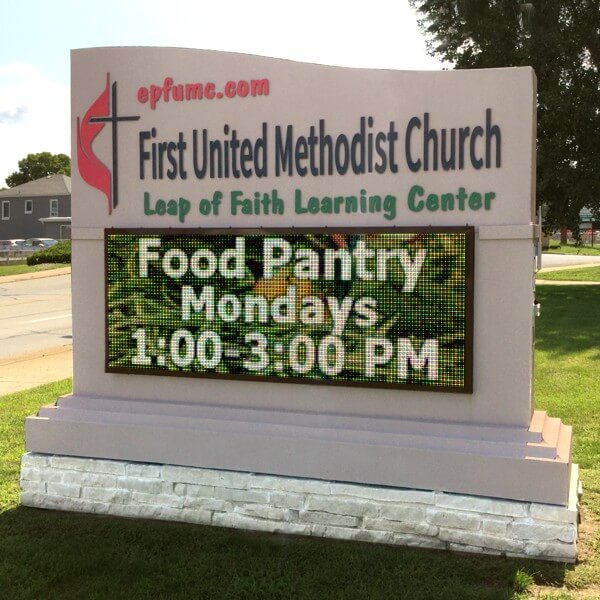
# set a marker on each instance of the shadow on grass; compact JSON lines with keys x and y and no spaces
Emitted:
{"x":48,"y":554}
{"x":569,"y":319}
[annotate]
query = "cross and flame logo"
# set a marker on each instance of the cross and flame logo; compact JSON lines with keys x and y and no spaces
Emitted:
{"x":93,"y":171}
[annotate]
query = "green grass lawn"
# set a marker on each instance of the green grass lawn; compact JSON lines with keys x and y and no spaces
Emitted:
{"x":12,"y":269}
{"x":573,"y":249}
{"x":46,"y":554}
{"x":583,"y":274}
{"x":567,"y":385}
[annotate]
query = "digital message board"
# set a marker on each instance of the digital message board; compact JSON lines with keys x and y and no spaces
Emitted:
{"x":369,"y":307}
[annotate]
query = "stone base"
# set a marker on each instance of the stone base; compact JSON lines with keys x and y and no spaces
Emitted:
{"x":405,"y":517}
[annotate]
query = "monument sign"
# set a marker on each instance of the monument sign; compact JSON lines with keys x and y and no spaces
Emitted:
{"x":303,"y":301}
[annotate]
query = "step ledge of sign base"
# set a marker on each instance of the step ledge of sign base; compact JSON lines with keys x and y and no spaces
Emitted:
{"x":545,"y":439}
{"x":554,"y":441}
{"x":405,"y":517}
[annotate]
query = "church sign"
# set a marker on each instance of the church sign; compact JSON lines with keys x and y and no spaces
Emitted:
{"x":304,"y":271}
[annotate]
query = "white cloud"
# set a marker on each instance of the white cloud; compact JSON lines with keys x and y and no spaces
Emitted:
{"x":34,"y":115}
{"x":377,"y":34}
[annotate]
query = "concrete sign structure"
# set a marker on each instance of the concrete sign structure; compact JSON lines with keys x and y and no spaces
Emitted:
{"x":338,"y":266}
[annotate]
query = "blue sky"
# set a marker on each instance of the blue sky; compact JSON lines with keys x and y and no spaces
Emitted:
{"x":36,"y":37}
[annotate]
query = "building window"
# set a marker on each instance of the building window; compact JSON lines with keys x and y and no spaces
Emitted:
{"x":54,"y":208}
{"x":28,"y":207}
{"x":5,"y":210}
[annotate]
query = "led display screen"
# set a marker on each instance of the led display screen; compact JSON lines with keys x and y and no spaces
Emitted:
{"x":369,"y":307}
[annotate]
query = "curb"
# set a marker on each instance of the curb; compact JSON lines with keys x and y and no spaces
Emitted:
{"x":565,"y":282}
{"x":20,"y":358}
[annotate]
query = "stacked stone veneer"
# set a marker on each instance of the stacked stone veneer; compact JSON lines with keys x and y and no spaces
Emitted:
{"x":424,"y":519}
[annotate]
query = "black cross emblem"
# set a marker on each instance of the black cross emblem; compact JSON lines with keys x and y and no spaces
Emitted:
{"x":114,"y":119}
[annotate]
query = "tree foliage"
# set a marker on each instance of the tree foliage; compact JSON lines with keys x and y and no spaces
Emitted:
{"x":561,"y":41}
{"x":36,"y":166}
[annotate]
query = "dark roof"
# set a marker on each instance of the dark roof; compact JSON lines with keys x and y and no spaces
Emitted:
{"x":52,"y":185}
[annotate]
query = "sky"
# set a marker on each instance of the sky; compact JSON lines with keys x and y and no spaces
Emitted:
{"x":36,"y":37}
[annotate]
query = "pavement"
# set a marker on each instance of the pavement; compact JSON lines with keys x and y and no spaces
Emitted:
{"x":30,"y":370}
{"x":35,"y":368}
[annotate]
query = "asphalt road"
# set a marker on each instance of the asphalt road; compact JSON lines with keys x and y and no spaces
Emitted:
{"x":35,"y":315}
{"x":550,"y":261}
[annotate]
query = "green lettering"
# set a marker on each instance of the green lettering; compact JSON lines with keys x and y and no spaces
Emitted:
{"x":447,"y":201}
{"x":475,"y":201}
{"x":235,"y":201}
{"x":415,"y":190}
{"x":205,"y":209}
{"x":389,"y":206}
{"x":172,"y":207}
{"x":247,"y":207}
{"x":300,"y":210}
{"x":432,"y":203}
{"x":461,"y":196}
{"x":147,"y":209}
{"x":313,"y":205}
{"x":183,"y":209}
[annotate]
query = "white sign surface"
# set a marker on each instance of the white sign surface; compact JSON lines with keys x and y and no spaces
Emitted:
{"x":179,"y":138}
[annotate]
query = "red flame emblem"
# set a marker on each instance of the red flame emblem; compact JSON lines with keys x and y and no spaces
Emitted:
{"x":93,"y":171}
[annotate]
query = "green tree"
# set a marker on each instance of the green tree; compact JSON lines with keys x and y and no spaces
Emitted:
{"x":35,"y":166}
{"x":561,"y":41}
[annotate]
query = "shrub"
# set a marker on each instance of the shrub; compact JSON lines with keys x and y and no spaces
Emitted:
{"x":59,"y":253}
